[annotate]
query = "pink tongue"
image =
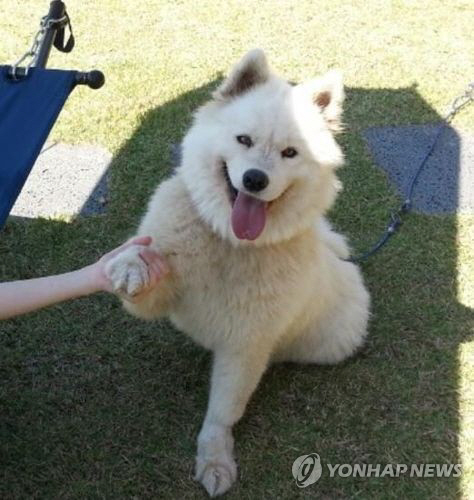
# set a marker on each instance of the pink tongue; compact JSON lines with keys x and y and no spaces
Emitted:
{"x":248,"y":216}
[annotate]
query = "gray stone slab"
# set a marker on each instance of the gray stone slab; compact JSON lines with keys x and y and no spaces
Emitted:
{"x":446,"y":183}
{"x":65,"y":181}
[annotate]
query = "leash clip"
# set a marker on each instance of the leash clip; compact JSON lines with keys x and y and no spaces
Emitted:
{"x":396,"y":222}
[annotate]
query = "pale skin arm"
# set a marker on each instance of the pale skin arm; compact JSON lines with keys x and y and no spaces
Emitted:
{"x":20,"y":297}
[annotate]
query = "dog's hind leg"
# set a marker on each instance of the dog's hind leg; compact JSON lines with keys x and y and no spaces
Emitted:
{"x":336,"y":332}
{"x":235,"y":376}
{"x":329,"y":341}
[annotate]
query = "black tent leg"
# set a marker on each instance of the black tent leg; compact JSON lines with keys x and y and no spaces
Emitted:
{"x":57,"y":10}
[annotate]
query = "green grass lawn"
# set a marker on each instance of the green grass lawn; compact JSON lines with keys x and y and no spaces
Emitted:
{"x":96,"y":404}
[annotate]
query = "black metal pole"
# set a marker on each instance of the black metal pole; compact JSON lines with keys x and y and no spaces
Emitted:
{"x":93,"y":79}
{"x":57,"y":10}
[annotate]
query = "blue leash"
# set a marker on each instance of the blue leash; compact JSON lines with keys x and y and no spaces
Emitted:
{"x":396,"y":216}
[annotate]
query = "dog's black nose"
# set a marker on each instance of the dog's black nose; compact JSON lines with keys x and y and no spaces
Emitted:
{"x":255,"y":180}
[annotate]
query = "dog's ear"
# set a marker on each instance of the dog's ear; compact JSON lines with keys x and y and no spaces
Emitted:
{"x":327,"y":93}
{"x":250,"y":71}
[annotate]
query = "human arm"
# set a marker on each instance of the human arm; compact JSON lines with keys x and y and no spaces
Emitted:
{"x":19,"y":297}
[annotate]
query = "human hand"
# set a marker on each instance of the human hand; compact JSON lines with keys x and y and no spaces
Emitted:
{"x":152,"y":266}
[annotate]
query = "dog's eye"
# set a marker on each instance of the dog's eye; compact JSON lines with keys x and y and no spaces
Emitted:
{"x":245,"y":140}
{"x":289,"y":153}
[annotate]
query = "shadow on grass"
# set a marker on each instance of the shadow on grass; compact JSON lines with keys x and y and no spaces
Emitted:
{"x":96,"y":404}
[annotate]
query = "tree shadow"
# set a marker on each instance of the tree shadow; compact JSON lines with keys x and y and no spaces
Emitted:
{"x":95,"y":403}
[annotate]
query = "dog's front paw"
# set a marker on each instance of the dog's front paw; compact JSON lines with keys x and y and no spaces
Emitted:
{"x":216,"y":469}
{"x":128,"y":273}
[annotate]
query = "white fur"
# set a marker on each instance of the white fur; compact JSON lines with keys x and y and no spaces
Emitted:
{"x":288,"y":295}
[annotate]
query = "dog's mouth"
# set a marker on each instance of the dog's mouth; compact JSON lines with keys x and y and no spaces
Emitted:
{"x":249,"y":214}
{"x":230,"y":187}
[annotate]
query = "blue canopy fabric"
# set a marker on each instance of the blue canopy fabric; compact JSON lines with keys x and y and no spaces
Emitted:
{"x":28,"y":109}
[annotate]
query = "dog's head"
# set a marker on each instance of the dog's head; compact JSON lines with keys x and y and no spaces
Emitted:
{"x":259,"y":159}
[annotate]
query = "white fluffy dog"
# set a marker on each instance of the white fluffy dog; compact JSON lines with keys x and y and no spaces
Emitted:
{"x":257,"y":274}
